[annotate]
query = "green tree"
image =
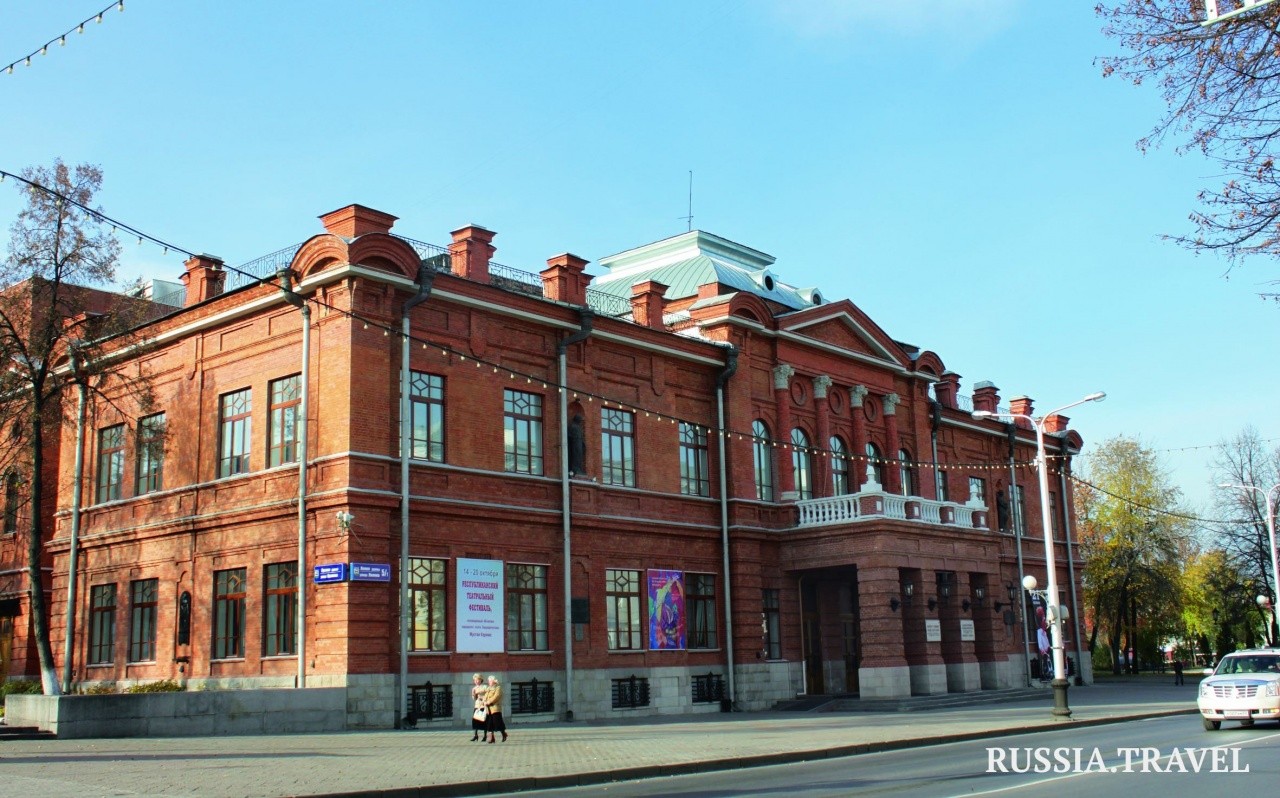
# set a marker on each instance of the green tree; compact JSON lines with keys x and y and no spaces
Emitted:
{"x":1223,"y":100}
{"x":1132,"y":549}
{"x":55,"y":329}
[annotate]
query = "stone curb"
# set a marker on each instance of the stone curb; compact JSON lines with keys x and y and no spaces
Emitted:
{"x":586,"y":779}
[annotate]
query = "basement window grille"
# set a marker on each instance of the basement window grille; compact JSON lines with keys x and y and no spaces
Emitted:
{"x":630,"y":693}
{"x":430,"y":702}
{"x":533,"y":698}
{"x":708,"y":689}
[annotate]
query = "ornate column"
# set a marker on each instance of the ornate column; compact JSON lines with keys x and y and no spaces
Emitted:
{"x":892,"y":476}
{"x":822,"y":463}
{"x":858,"y":446}
{"x":782,"y":454}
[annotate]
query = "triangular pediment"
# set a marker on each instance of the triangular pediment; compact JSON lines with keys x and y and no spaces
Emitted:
{"x":843,"y":326}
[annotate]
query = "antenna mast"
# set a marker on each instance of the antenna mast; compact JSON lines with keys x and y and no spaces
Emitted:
{"x":689,"y":219}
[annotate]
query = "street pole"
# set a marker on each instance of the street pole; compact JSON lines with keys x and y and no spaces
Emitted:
{"x":1269,"y":496}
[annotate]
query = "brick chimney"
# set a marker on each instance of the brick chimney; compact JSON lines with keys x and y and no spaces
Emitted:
{"x":471,"y":251}
{"x":986,"y":396}
{"x":1021,"y":405}
{"x":1056,"y":423}
{"x":647,"y":304}
{"x":203,"y":279}
{"x":356,"y":220}
{"x":947,"y":388}
{"x":565,"y":279}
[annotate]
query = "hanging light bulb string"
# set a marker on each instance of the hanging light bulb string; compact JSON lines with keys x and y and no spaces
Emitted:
{"x":61,"y":40}
{"x":463,"y":358}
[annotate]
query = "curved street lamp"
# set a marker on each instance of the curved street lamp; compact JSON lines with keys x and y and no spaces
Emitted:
{"x":1061,"y":710}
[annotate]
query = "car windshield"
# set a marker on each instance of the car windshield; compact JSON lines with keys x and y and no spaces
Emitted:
{"x":1252,"y":664}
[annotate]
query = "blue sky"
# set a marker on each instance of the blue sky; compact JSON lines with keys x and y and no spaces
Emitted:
{"x":963,"y":174}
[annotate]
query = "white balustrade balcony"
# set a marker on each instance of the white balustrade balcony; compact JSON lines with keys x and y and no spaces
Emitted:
{"x":877,"y":504}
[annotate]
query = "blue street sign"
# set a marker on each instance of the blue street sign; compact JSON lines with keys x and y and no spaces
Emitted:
{"x":331,"y":572}
{"x":370,"y":572}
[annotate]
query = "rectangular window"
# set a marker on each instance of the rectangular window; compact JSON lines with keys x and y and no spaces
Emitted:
{"x":12,"y":497}
{"x":771,"y":623}
{"x":694,"y":477}
{"x":1055,"y":517}
{"x":143,"y":594}
{"x":427,"y":597}
{"x":526,"y":607}
{"x":102,"y":624}
{"x":150,"y":454}
{"x":228,"y":613}
{"x":283,"y":423}
{"x":280,"y":609}
{"x":235,"y":425}
{"x":1019,"y":513}
{"x":426,"y":413}
{"x":702,"y":610}
{"x":942,"y":486}
{"x":978,"y":490}
{"x":622,"y":606}
{"x":617,"y":447}
{"x":110,"y":462}
{"x":522,"y":432}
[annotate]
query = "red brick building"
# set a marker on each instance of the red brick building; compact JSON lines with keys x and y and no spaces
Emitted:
{"x":732,"y":497}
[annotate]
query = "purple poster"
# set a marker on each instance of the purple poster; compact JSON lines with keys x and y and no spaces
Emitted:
{"x":666,"y":610}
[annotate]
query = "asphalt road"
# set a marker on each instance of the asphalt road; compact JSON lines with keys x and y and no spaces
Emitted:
{"x":1155,"y":758}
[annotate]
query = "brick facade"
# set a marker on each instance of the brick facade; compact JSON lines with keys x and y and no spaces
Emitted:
{"x":856,"y":575}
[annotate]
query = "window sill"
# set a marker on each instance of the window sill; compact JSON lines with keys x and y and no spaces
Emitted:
{"x":515,"y":652}
{"x":274,"y":657}
{"x":630,"y":650}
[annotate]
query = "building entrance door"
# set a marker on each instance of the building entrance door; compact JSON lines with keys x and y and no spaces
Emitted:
{"x":6,"y":644}
{"x":852,"y":634}
{"x":814,"y":683}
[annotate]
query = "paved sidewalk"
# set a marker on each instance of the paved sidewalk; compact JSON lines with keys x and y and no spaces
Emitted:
{"x":438,"y":762}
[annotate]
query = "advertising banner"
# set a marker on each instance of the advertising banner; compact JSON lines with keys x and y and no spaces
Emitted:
{"x":666,"y":610}
{"x":479,"y":613}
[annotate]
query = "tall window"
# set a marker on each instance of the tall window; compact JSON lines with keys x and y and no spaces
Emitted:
{"x":1054,"y":518}
{"x":907,"y":474}
{"x":150,"y":455}
{"x":102,"y":624}
{"x":110,"y":462}
{"x":771,"y":622}
{"x":11,"y":499}
{"x":702,"y":610}
{"x":762,"y":455}
{"x":876,"y":462}
{"x":622,"y":606}
{"x":694,"y":479}
{"x":800,"y":464}
{"x":427,"y":597}
{"x":426,"y":415}
{"x":617,"y":447}
{"x":978,"y":489}
{"x":839,"y":467}
{"x":526,"y":607}
{"x":522,"y":432}
{"x":941,"y":477}
{"x":283,"y":424}
{"x":280,"y":609}
{"x":235,"y":425}
{"x":228,"y":613}
{"x":1019,"y":511}
{"x":142,"y":619}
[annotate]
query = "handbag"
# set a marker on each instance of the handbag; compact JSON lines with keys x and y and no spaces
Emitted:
{"x":479,"y":714}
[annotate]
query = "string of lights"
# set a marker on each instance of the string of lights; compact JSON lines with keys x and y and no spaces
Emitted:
{"x":532,"y":379}
{"x":1140,"y":505}
{"x":61,"y":40}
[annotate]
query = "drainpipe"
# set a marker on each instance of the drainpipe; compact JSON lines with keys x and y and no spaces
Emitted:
{"x":286,"y":288}
{"x":935,"y":420}
{"x":426,"y":277}
{"x":76,"y":490}
{"x":1071,"y":570}
{"x":1016,"y":510}
{"x":730,"y":366}
{"x":586,"y":315}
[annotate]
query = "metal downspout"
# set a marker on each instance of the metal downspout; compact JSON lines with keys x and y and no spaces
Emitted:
{"x":286,"y":287}
{"x":1016,"y":510}
{"x":426,"y":277}
{"x":730,"y":367}
{"x":76,"y":495}
{"x":585,"y":319}
{"x":1071,"y":569}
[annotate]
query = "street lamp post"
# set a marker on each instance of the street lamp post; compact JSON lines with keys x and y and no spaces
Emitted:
{"x":1061,"y":710}
{"x":1269,"y":495}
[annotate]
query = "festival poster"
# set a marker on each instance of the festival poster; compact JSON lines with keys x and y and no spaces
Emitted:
{"x":479,"y":615}
{"x":666,"y":610}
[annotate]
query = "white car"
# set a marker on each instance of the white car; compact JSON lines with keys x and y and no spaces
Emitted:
{"x":1245,"y":687}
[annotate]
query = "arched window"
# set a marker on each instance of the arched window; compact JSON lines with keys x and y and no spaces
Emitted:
{"x":11,"y":499}
{"x":762,"y":454}
{"x":839,"y":467}
{"x":906,"y":475}
{"x":877,"y":464}
{"x":800,"y":464}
